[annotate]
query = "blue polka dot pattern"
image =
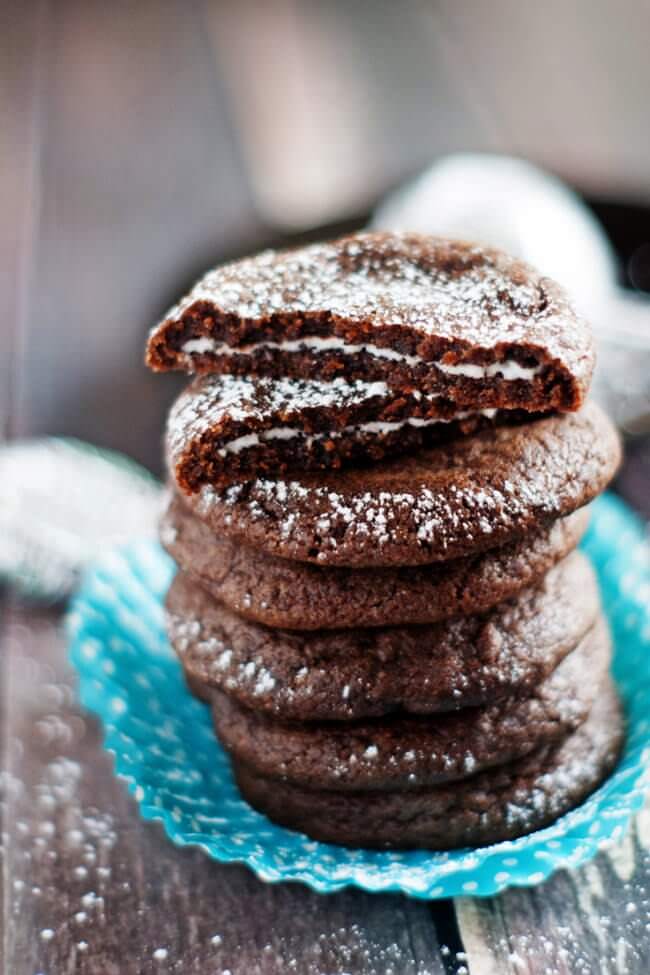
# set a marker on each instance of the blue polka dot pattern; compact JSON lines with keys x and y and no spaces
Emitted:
{"x":165,"y":749}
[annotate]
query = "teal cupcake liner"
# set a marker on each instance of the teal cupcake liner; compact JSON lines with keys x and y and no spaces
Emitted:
{"x":165,"y":749}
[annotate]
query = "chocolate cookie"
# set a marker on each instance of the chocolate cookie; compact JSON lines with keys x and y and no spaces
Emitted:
{"x":297,"y":595}
{"x":499,"y":804}
{"x":441,"y":316}
{"x":410,"y":751}
{"x":226,"y":429}
{"x":449,"y":501}
{"x":355,"y":673}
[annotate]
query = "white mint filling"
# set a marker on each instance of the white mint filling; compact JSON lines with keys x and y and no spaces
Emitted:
{"x":508,"y":368}
{"x":199,"y":346}
{"x":380,"y":427}
{"x":319,"y":342}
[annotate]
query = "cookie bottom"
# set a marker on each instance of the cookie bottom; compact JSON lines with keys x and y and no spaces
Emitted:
{"x":500,"y":804}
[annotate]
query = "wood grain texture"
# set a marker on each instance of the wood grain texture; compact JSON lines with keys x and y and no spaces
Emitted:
{"x":136,"y":188}
{"x":593,"y":921}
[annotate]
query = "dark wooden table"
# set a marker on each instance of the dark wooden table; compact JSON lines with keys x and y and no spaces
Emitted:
{"x":134,"y":151}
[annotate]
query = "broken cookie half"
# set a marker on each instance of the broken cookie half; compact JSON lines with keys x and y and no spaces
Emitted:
{"x":228,"y":429}
{"x":446,"y":318}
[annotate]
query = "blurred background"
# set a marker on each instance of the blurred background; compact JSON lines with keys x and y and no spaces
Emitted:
{"x":143,"y":142}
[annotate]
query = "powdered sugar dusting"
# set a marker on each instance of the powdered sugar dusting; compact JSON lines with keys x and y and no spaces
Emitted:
{"x":241,"y":399}
{"x":429,"y":286}
{"x":404,"y":750}
{"x":227,"y":406}
{"x":367,"y":515}
{"x":559,"y":465}
{"x":232,"y":415}
{"x":331,"y":675}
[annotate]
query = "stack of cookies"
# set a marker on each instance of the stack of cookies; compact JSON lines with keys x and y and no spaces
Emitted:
{"x":379,"y":479}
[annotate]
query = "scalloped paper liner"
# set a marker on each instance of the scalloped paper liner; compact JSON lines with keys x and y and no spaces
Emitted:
{"x":165,"y":749}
